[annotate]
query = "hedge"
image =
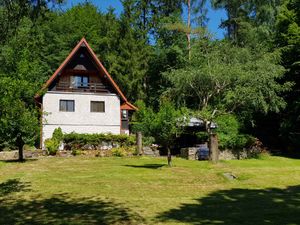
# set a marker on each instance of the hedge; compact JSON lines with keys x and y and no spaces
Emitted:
{"x":97,"y":139}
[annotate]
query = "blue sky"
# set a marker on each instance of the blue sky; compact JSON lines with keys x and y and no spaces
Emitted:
{"x":214,"y":16}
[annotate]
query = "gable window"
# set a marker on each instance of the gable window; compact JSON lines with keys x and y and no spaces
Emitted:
{"x":79,"y":81}
{"x":66,"y":105}
{"x":97,"y":106}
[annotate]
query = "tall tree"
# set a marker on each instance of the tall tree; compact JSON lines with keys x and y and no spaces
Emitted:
{"x":288,"y":39}
{"x":248,"y":21}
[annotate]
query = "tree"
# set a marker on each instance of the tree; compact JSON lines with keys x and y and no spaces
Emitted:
{"x":18,"y":119}
{"x":288,"y":40}
{"x":249,"y":22}
{"x":230,"y":78}
{"x":164,"y":126}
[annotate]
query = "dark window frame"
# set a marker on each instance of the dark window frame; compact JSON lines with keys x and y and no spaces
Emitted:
{"x":91,"y":107}
{"x":67,"y":105}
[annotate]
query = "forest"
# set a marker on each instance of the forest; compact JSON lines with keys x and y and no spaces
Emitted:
{"x":163,"y":57}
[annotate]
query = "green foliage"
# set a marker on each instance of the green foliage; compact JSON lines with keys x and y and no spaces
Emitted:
{"x":119,"y":152}
{"x":76,"y":152}
{"x":164,"y":126}
{"x":79,"y":140}
{"x":143,"y":119}
{"x":18,"y":115}
{"x":229,"y":133}
{"x":52,"y":145}
{"x":148,"y":140}
{"x":249,"y":22}
{"x":202,"y":136}
{"x":229,"y":78}
{"x":288,"y":39}
{"x":58,"y":134}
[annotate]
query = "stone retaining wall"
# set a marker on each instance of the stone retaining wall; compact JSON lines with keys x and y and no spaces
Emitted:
{"x":227,"y":154}
{"x":28,"y":154}
{"x":189,"y":153}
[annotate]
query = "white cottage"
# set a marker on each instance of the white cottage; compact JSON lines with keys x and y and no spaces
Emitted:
{"x":82,"y":97}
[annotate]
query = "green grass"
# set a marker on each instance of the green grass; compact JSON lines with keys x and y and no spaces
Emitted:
{"x":143,"y":190}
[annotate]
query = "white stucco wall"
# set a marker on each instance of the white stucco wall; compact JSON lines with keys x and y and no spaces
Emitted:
{"x":82,"y":120}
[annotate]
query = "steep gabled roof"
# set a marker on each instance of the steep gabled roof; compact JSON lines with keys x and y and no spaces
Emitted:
{"x":83,"y":43}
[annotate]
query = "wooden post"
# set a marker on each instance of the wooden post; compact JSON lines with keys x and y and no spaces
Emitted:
{"x":213,"y":148}
{"x":139,"y":143}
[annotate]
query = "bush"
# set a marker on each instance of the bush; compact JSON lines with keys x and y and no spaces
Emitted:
{"x":76,"y":152}
{"x":229,"y":134}
{"x":58,"y":134}
{"x":77,"y":141}
{"x":119,"y":152}
{"x":52,"y":145}
{"x":148,"y":141}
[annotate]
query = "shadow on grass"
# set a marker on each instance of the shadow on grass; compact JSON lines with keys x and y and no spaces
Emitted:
{"x":62,"y":209}
{"x":12,"y":186}
{"x":147,"y":166}
{"x":241,"y":206}
{"x":17,"y":161}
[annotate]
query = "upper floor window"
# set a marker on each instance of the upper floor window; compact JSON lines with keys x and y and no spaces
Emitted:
{"x":66,"y":105}
{"x":97,"y":106}
{"x":80,"y":81}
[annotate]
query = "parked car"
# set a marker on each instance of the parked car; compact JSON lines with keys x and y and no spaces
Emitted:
{"x":202,"y":152}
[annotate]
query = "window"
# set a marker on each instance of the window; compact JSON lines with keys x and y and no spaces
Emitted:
{"x":97,"y":106}
{"x":124,"y":120}
{"x":80,"y":81}
{"x":124,"y":114}
{"x":66,"y":105}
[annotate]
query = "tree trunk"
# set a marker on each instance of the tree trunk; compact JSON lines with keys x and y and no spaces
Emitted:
{"x":213,"y":148}
{"x":189,"y":29}
{"x":20,"y":145}
{"x":139,"y":143}
{"x":169,"y":157}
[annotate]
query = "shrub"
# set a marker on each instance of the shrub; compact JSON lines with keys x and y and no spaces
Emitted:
{"x":52,"y":145}
{"x":229,"y":134}
{"x":148,"y":141}
{"x":58,"y":134}
{"x":77,"y":141}
{"x":119,"y":152}
{"x":76,"y":152}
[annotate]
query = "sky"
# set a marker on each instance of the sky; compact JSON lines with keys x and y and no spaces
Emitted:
{"x":215,"y":16}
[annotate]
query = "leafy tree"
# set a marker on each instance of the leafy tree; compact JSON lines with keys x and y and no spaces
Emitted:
{"x":18,"y":119}
{"x":249,"y":22}
{"x":229,"y":78}
{"x":164,"y":126}
{"x":288,"y":39}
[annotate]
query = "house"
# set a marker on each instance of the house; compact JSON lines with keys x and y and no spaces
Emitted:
{"x":82,"y":97}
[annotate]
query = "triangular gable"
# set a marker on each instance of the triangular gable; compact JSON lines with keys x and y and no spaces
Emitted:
{"x":83,"y":43}
{"x":128,"y":106}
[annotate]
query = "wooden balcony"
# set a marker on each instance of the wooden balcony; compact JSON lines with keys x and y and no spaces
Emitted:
{"x":81,"y":87}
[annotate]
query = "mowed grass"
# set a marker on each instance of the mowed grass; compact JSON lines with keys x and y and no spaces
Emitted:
{"x":144,"y":190}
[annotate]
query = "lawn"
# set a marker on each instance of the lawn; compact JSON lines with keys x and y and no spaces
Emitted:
{"x":143,"y":190}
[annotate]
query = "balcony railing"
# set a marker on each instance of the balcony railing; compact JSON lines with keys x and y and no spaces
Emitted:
{"x":81,"y":87}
